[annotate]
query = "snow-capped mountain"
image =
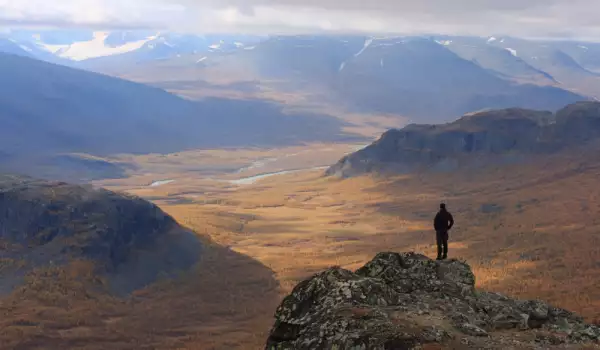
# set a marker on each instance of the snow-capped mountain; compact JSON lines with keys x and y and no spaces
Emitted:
{"x":422,"y":77}
{"x":78,"y":46}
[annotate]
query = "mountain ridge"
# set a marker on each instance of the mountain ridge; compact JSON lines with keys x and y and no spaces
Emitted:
{"x":487,"y":137}
{"x":412,"y":77}
{"x":48,"y":109}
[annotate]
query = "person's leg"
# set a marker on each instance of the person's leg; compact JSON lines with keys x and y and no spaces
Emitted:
{"x":445,"y":244}
{"x":440,"y":242}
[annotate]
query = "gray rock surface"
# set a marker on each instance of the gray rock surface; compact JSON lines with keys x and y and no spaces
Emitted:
{"x":407,"y":301}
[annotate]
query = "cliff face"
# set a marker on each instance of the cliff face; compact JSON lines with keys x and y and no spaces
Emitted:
{"x":490,"y":136}
{"x":52,"y":223}
{"x":408,"y":301}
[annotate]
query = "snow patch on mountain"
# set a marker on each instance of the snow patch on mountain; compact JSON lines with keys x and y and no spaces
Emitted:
{"x":96,"y":47}
{"x":491,"y":40}
{"x":444,"y":42}
{"x":512,"y":51}
{"x":23,"y":47}
{"x":368,"y":43}
{"x":202,"y":59}
{"x":165,"y":42}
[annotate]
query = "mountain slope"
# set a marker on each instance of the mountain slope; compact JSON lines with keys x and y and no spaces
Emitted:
{"x":84,"y":48}
{"x":561,"y":64}
{"x":104,"y":270}
{"x":11,"y":47}
{"x":422,"y":79}
{"x":48,"y":223}
{"x":498,"y":59}
{"x":47,"y":109}
{"x":412,"y":77}
{"x":481,"y":138}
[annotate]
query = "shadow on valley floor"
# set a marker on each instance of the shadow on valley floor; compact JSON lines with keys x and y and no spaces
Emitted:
{"x":226,"y":302}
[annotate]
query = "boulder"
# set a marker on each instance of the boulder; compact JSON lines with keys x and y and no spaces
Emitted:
{"x":406,"y":301}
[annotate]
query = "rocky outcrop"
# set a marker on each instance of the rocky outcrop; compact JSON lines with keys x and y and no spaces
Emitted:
{"x":408,"y":301}
{"x":47,"y":223}
{"x":506,"y":135}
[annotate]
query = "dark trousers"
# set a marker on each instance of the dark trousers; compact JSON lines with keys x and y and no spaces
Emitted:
{"x":442,"y":243}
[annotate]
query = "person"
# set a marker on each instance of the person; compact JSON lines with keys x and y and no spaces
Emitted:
{"x":442,"y":223}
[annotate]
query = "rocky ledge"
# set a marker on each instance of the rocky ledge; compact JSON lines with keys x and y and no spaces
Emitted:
{"x":408,"y":301}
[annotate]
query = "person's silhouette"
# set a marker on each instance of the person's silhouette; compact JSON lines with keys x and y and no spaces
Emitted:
{"x":442,"y":223}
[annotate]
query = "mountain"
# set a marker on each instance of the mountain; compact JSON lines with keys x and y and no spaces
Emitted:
{"x":128,"y":240}
{"x":408,"y":301}
{"x":568,"y":65}
{"x":104,"y":270}
{"x":26,"y":49}
{"x":413,"y":77}
{"x":424,"y":80}
{"x":76,"y":46}
{"x":480,"y":138}
{"x":585,"y":53}
{"x":11,"y":47}
{"x":503,"y":61}
{"x":47,"y":109}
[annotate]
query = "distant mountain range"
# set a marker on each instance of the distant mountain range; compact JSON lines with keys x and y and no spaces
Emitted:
{"x":426,"y":79}
{"x":77,"y":46}
{"x":48,"y":110}
{"x":477,"y":139}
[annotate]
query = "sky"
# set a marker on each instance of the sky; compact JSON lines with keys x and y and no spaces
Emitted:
{"x":575,"y":19}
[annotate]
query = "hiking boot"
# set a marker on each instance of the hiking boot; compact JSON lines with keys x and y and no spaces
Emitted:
{"x":439,"y":258}
{"x":444,"y":257}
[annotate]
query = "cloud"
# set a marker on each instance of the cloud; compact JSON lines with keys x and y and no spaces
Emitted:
{"x":525,"y":18}
{"x":89,"y":13}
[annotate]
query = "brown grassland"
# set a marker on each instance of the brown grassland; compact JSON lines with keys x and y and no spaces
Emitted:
{"x":528,"y":230}
{"x":224,"y":303}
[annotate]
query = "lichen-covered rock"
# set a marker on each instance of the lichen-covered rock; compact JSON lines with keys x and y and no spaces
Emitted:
{"x":406,"y":301}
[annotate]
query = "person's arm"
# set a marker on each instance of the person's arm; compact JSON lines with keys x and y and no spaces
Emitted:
{"x":451,"y":220}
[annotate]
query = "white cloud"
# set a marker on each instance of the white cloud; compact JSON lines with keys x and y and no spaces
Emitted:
{"x":93,"y":13}
{"x":541,"y":18}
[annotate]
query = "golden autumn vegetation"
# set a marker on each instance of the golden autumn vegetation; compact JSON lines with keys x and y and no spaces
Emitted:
{"x":528,"y":230}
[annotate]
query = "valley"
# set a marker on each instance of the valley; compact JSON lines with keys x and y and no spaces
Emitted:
{"x":270,"y":218}
{"x":516,"y":225}
{"x":262,"y":161}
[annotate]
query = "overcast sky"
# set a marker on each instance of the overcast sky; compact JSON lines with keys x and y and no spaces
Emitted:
{"x":524,"y":18}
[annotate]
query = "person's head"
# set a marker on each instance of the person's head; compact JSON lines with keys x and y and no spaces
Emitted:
{"x":443,"y":206}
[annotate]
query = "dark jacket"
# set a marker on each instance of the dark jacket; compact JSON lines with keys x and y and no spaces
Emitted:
{"x":443,"y":221}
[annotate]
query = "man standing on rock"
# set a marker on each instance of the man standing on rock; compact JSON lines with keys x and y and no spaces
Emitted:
{"x":442,"y":223}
